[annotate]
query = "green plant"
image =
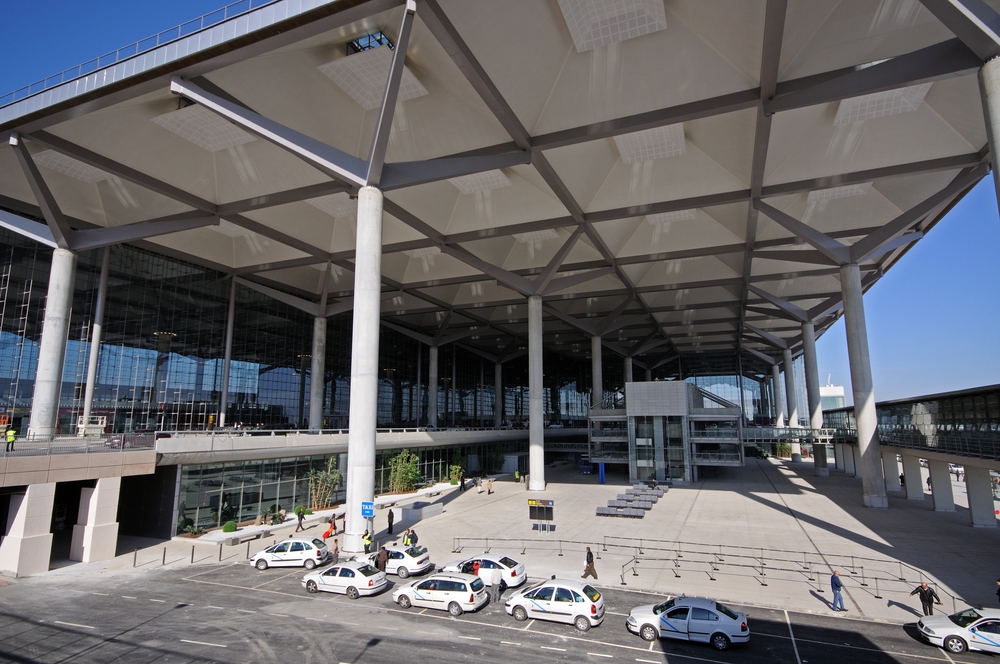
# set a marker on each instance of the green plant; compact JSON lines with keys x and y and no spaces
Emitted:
{"x":322,"y":484}
{"x":276,"y":519}
{"x":229,"y":527}
{"x":404,"y":471}
{"x":194,"y":530}
{"x":455,"y":472}
{"x":184,"y":524}
{"x":783,"y":450}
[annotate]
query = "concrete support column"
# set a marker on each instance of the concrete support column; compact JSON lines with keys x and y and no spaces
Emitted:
{"x":979,"y":488}
{"x":536,"y":424}
{"x":52,"y":349}
{"x":911,"y":474}
{"x":812,"y":395}
{"x":27,"y":546}
{"x":227,"y":355}
{"x":95,"y":535}
{"x":628,"y":371}
{"x":432,"y":387}
{"x":596,"y":373}
{"x":779,"y":397}
{"x":649,"y":376}
{"x":364,"y":366}
{"x":793,"y":411}
{"x":498,"y":395}
{"x":838,"y":456}
{"x":850,"y":467}
{"x":864,"y":391}
{"x":317,"y":384}
{"x":890,"y":468}
{"x":941,"y":491}
{"x":95,"y":337}
{"x":989,"y":90}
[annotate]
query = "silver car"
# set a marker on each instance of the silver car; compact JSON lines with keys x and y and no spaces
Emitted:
{"x":971,"y":629}
{"x":690,"y":619}
{"x":353,"y":579}
{"x":512,"y":572}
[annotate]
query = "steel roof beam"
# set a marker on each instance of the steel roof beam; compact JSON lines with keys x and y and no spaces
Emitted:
{"x":28,"y":228}
{"x":972,"y":21}
{"x":796,"y":312}
{"x":761,"y":356}
{"x":769,"y":338}
{"x":543,"y":280}
{"x":54,"y":217}
{"x":102,"y":237}
{"x":826,"y":245}
{"x":399,"y":175}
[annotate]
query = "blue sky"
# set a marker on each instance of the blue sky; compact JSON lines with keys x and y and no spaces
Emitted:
{"x":933,"y":320}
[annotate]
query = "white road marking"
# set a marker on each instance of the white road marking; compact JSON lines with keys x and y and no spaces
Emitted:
{"x":127,"y":597}
{"x":101,"y":594}
{"x":597,"y":654}
{"x":280,"y":615}
{"x":647,"y":661}
{"x":651,"y":644}
{"x":159,"y":601}
{"x":509,"y":643}
{"x":471,"y":638}
{"x":215,"y":607}
{"x":791,"y":635}
{"x":203,"y":643}
{"x":526,"y":627}
{"x":245,"y":611}
{"x":59,"y":622}
{"x":551,"y":648}
{"x":849,"y":646}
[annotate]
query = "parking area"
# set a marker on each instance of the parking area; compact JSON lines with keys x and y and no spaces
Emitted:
{"x":234,"y":613}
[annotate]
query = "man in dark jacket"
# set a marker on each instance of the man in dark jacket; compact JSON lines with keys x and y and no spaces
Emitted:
{"x":836,"y":585}
{"x":589,"y":569}
{"x":382,"y":559}
{"x":928,"y":598}
{"x":391,"y":519}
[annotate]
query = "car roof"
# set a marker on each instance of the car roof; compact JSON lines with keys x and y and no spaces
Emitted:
{"x":452,"y":575}
{"x":353,"y":564}
{"x":400,"y":547}
{"x":495,"y":557}
{"x":566,"y":583}
{"x":701,"y":602}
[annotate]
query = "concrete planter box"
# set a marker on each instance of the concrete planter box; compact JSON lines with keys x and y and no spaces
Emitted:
{"x":420,"y":510}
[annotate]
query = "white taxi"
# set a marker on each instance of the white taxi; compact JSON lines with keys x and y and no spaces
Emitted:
{"x":353,"y":579}
{"x":405,"y":560}
{"x":971,"y":629}
{"x":559,"y":600}
{"x":512,"y":571}
{"x":690,"y":619}
{"x":455,"y":593}
{"x":292,"y":552}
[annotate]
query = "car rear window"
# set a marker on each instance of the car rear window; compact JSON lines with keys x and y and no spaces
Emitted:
{"x":477,"y":584}
{"x":726,"y":611}
{"x":318,"y":543}
{"x":416,"y":551}
{"x":592,"y":593}
{"x":508,"y":562}
{"x":368,"y":570}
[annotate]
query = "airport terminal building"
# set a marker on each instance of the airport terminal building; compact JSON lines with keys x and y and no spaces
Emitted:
{"x":293,"y":233}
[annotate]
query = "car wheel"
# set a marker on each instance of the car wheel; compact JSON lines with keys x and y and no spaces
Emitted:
{"x":403,"y":601}
{"x":954,"y":645}
{"x":261,"y":564}
{"x":520,"y":614}
{"x":312,"y":587}
{"x":582,"y":623}
{"x":309,"y":563}
{"x":454,"y":609}
{"x":402,"y":572}
{"x":720,"y":641}
{"x":648,"y":633}
{"x":352,"y":593}
{"x":503,"y":587}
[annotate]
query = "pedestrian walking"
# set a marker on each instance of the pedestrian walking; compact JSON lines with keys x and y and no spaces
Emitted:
{"x":328,"y":533}
{"x":407,"y":538}
{"x":928,"y":598}
{"x":836,"y":585}
{"x":496,"y":582}
{"x":391,"y":518}
{"x":335,"y":552}
{"x":489,"y":487}
{"x":479,"y":485}
{"x":413,"y":537}
{"x":589,"y":569}
{"x":366,"y":539}
{"x":10,"y":438}
{"x":517,"y":476}
{"x":301,"y":514}
{"x":382,"y":559}
{"x":929,"y":486}
{"x":461,"y":483}
{"x":333,"y":523}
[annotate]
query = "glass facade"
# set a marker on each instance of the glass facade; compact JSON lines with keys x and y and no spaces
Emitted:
{"x":967,"y":412}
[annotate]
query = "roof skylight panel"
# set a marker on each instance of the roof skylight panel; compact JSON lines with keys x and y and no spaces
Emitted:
{"x":650,"y":144}
{"x":667,"y":217}
{"x":74,"y":168}
{"x":423,"y":252}
{"x":470,"y":184}
{"x":336,"y":205}
{"x":881,"y":104}
{"x":845,"y":191}
{"x":204,"y":128}
{"x":594,"y":23}
{"x":537,"y":236}
{"x":363,"y":76}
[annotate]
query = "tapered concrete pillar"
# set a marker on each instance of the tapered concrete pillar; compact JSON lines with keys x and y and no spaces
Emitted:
{"x":628,"y":370}
{"x":432,"y":387}
{"x":44,"y":420}
{"x":498,"y":395}
{"x":979,"y":488}
{"x":890,"y":468}
{"x":317,"y":383}
{"x":28,"y":545}
{"x":812,"y":395}
{"x":793,"y":411}
{"x":862,"y":387}
{"x":941,"y":491}
{"x":779,"y":397}
{"x":914,"y":483}
{"x":850,"y":458}
{"x":95,"y":535}
{"x":596,"y":373}
{"x":364,"y":366}
{"x":536,"y":424}
{"x":989,"y":89}
{"x":649,"y":376}
{"x":227,"y":355}
{"x":97,"y":327}
{"x":838,"y":456}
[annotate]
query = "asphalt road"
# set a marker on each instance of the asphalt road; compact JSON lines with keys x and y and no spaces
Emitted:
{"x":234,"y":613}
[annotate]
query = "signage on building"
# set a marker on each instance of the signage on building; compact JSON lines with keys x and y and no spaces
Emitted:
{"x":540,"y":510}
{"x":367,"y":510}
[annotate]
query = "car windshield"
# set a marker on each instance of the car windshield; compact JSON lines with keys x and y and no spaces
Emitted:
{"x":477,"y":584}
{"x":415,"y":551}
{"x":368,"y":570}
{"x":507,"y":562}
{"x":657,"y":610}
{"x":726,"y":611}
{"x":319,"y":544}
{"x":592,"y":593}
{"x":965,"y":618}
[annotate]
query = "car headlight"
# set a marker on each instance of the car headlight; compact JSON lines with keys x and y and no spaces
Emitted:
{"x":928,"y":630}
{"x":631,"y":620}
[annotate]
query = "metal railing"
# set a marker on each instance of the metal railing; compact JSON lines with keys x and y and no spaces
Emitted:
{"x":716,"y":457}
{"x":238,"y":431}
{"x":135,"y":48}
{"x":49,"y":446}
{"x":979,"y":447}
{"x":727,"y":434}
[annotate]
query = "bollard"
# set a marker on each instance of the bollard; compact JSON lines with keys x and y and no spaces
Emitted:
{"x":248,"y":549}
{"x":560,"y":547}
{"x":164,"y":562}
{"x":523,"y":549}
{"x":605,"y":543}
{"x":901,"y":577}
{"x":863,"y":576}
{"x":192,"y":554}
{"x":220,"y":552}
{"x":640,"y":547}
{"x":135,"y":555}
{"x":487,"y":545}
{"x":877,"y":596}
{"x":598,"y":551}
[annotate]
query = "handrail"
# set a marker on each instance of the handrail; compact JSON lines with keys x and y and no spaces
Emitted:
{"x":53,"y":445}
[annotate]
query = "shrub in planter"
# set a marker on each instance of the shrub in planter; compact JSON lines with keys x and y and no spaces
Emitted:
{"x":230,"y":527}
{"x":184,"y":525}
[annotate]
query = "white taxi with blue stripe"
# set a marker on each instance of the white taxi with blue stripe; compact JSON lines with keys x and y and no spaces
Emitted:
{"x":690,"y":619}
{"x":559,"y":600}
{"x":454,"y":593}
{"x":971,"y":629}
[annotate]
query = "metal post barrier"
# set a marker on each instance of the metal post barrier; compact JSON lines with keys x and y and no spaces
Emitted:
{"x":877,"y":596}
{"x":674,"y":569}
{"x":487,"y":545}
{"x":220,"y":552}
{"x":164,"y":556}
{"x":762,"y":575}
{"x":560,"y":548}
{"x":605,"y":543}
{"x":863,"y":576}
{"x":192,"y":554}
{"x":523,"y":547}
{"x":598,"y":551}
{"x":640,"y":547}
{"x":248,"y":549}
{"x":135,"y":554}
{"x":901,"y":577}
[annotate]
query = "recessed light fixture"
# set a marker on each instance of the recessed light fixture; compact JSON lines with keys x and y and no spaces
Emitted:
{"x":204,"y":128}
{"x":470,"y":184}
{"x":336,"y":205}
{"x":536,"y":236}
{"x":846,"y":191}
{"x":363,"y":76}
{"x":881,"y":104}
{"x":594,"y":23}
{"x":667,"y":217}
{"x":423,"y":252}
{"x":656,"y":143}
{"x":74,"y":168}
